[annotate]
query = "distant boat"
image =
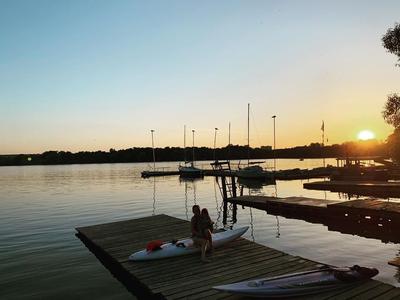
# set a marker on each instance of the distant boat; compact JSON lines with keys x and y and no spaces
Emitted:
{"x":251,"y":172}
{"x":188,"y":169}
{"x":146,"y":174}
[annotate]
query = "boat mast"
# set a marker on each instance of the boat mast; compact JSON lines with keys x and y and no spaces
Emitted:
{"x":248,"y":134}
{"x":229,"y":142}
{"x":229,"y":134}
{"x":193,"y":147}
{"x":154,"y":153}
{"x":184,"y":143}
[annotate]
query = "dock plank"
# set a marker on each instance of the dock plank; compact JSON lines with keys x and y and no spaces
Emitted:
{"x":187,"y":277}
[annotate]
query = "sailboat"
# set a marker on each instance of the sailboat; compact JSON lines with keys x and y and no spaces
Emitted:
{"x":189,"y":169}
{"x":253,"y":170}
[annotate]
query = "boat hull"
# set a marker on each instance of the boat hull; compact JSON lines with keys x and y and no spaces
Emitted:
{"x":190,"y":172}
{"x":298,"y":284}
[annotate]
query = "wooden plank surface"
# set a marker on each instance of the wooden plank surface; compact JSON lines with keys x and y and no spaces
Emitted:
{"x":371,"y":204}
{"x":187,"y":277}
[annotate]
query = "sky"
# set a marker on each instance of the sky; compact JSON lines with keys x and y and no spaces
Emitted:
{"x":94,"y":75}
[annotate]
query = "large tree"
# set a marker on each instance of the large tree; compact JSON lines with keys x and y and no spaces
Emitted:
{"x":391,"y":41}
{"x":391,"y":112}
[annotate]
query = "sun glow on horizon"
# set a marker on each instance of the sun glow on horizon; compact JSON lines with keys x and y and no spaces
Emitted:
{"x":365,"y":135}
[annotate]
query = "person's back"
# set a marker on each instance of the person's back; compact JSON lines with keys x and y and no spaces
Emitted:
{"x":195,"y":224}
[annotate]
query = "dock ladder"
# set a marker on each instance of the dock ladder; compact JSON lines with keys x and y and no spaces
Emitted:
{"x":227,"y":186}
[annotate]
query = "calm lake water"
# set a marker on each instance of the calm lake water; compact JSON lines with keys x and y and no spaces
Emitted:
{"x":40,"y":206}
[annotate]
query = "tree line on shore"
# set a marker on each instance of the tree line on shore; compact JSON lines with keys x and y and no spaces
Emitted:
{"x":145,"y":154}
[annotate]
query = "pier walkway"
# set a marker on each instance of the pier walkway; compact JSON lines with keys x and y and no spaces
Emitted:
{"x":371,"y":218}
{"x":378,"y":188}
{"x":187,"y":277}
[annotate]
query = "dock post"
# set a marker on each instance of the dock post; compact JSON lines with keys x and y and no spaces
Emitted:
{"x":225,"y":212}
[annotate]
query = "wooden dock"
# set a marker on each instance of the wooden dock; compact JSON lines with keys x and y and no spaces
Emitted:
{"x":186,"y":277}
{"x":371,"y":218}
{"x":311,"y":210}
{"x":373,"y":188}
{"x":147,"y":174}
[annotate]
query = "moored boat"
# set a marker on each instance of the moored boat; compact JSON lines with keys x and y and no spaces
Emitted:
{"x":190,"y":171}
{"x":300,"y":284}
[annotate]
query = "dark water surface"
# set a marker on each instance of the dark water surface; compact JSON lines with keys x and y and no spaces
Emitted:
{"x":40,"y":206}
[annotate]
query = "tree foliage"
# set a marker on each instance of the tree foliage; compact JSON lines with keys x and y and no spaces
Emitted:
{"x":314,"y":150}
{"x":391,"y":40}
{"x":391,"y":112}
{"x":393,"y":144}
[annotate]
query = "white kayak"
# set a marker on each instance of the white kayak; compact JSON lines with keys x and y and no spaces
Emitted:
{"x":185,"y":246}
{"x":300,"y":284}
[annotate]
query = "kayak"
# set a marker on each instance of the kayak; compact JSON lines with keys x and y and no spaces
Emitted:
{"x":300,"y":284}
{"x":185,"y":246}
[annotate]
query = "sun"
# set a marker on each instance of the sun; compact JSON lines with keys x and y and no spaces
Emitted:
{"x":366,"y":135}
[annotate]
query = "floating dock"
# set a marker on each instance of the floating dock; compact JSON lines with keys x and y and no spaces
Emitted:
{"x":371,"y":218}
{"x":147,"y":174}
{"x":312,"y":210}
{"x":187,"y":277}
{"x":382,"y":210}
{"x":378,"y":188}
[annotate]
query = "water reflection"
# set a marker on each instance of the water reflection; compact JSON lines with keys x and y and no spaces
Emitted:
{"x":278,"y":232}
{"x":252,"y":225}
{"x":255,"y":184}
{"x":154,"y":196}
{"x":190,"y":184}
{"x":218,"y":207}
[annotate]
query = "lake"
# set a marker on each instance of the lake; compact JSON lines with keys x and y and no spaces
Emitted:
{"x":40,"y":206}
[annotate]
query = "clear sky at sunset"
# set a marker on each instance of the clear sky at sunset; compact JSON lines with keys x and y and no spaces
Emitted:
{"x":89,"y":75}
